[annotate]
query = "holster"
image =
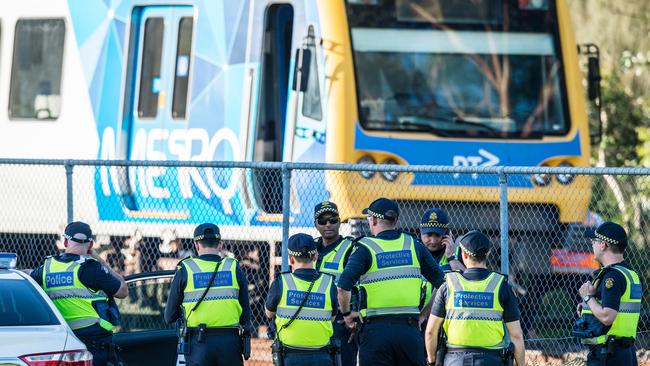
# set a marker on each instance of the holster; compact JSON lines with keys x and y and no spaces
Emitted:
{"x":183,"y":347}
{"x":334,"y":349}
{"x":245,"y":340}
{"x":277,"y":350}
{"x":441,"y":351}
{"x":508,"y":354}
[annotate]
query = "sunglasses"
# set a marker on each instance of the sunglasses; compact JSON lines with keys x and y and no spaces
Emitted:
{"x":331,"y":220}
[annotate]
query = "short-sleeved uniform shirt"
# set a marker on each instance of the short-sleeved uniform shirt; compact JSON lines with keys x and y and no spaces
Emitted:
{"x":275,"y":292}
{"x":612,"y":286}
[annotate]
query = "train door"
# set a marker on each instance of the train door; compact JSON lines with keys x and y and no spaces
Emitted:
{"x":272,"y":116}
{"x":156,"y":104}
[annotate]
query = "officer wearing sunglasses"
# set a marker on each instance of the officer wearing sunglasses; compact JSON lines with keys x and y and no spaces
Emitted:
{"x":333,"y":253}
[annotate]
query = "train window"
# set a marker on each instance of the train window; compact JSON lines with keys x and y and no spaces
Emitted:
{"x":183,"y":57}
{"x":35,"y":91}
{"x":311,"y":98}
{"x":150,"y":80}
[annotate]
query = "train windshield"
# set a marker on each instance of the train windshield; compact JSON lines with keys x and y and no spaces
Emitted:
{"x":434,"y":67}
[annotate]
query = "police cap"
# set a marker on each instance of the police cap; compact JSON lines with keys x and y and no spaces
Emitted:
{"x":435,"y":221}
{"x":79,"y":232}
{"x":609,"y":232}
{"x":207,"y":231}
{"x":383,"y":208}
{"x":475,"y":243}
{"x":302,"y":245}
{"x":325,"y":206}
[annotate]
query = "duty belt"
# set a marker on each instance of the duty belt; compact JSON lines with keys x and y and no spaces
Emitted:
{"x":216,"y":330}
{"x":288,"y":349}
{"x":413,"y":322}
{"x":474,"y":350}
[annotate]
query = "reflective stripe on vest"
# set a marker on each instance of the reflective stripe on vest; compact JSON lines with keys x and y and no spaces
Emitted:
{"x":312,"y":328}
{"x":445,"y":267}
{"x":392,"y":284}
{"x":332,"y":262}
{"x":220,"y":307}
{"x":629,"y":311}
{"x":73,"y":300}
{"x":474,"y":315}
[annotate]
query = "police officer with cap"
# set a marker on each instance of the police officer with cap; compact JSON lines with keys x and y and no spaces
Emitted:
{"x":210,"y":293}
{"x":389,"y":267}
{"x":613,"y":297}
{"x":81,"y":285}
{"x":472,"y":308}
{"x":436,"y":236}
{"x":303,"y":303}
{"x":333,"y":252}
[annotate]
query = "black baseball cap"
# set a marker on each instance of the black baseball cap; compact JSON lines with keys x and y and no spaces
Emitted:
{"x":325,"y":206}
{"x":610,"y":232}
{"x":78,"y":232}
{"x":475,"y":243}
{"x":207,"y":231}
{"x":434,"y":220}
{"x":383,"y":208}
{"x":302,"y":245}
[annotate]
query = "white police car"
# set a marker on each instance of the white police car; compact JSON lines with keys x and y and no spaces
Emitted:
{"x":32,"y":330}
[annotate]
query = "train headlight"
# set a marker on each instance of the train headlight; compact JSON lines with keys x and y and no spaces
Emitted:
{"x":565,"y":178}
{"x":541,"y":180}
{"x":367,"y":174}
{"x":390,"y":176}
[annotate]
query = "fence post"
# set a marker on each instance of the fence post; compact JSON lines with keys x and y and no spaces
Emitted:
{"x":68,"y":188}
{"x":503,"y":206}
{"x":286,"y":213}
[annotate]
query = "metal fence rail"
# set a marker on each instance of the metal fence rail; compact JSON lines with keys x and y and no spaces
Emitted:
{"x":143,"y":213}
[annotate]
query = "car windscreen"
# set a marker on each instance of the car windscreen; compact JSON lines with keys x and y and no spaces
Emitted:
{"x":22,"y":305}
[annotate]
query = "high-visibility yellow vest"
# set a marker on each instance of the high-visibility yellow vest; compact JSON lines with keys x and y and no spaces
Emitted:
{"x":332,"y":262}
{"x":393,"y":283}
{"x":474,"y":315}
{"x":312,"y":327}
{"x":445,"y":267}
{"x":629,"y":311}
{"x":73,"y":299}
{"x":220,"y":308}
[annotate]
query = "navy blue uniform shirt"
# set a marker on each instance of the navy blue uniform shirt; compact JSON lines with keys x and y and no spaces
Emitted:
{"x":305,"y":274}
{"x":611,"y":297}
{"x":507,"y":298}
{"x":177,"y":287}
{"x":361,"y":260}
{"x":93,"y":275}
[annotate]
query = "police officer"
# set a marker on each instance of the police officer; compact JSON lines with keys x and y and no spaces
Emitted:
{"x":215,"y":310}
{"x":436,"y":236}
{"x":304,"y":305}
{"x":389,"y":267}
{"x":333,"y":252}
{"x":81,"y":285}
{"x":472,"y":308}
{"x":613,"y":297}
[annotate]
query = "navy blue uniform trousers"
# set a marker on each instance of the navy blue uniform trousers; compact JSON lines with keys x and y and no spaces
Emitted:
{"x":98,"y":346}
{"x":620,"y":356}
{"x":390,"y":343}
{"x":349,"y":351}
{"x":473,"y":359}
{"x":216,"y":350}
{"x":307,"y":359}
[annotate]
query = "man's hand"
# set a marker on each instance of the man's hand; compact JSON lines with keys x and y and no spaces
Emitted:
{"x":351,"y":320}
{"x":448,"y":242}
{"x":579,"y":309}
{"x":588,"y":288}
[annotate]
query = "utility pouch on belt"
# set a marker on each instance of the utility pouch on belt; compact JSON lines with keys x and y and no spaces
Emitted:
{"x":508,"y":354}
{"x":202,"y":330}
{"x":442,"y":348}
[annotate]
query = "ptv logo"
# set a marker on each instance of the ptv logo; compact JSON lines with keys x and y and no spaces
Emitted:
{"x":484,"y":158}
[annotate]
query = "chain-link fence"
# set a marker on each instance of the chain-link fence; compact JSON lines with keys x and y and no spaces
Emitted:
{"x":143,"y":215}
